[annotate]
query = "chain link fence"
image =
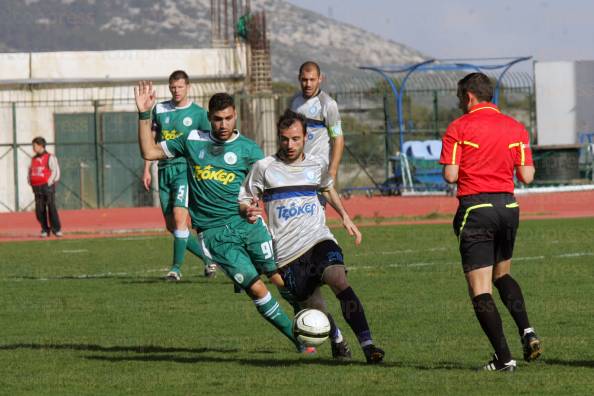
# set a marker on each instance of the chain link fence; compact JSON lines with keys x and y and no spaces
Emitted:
{"x":96,"y":140}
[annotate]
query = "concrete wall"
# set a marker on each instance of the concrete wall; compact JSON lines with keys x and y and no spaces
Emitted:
{"x":564,"y":101}
{"x":555,"y":102}
{"x":128,"y":64}
{"x":585,"y":96}
{"x":43,"y":84}
{"x":15,"y":66}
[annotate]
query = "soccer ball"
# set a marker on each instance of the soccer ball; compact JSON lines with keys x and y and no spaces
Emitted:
{"x":311,"y":327}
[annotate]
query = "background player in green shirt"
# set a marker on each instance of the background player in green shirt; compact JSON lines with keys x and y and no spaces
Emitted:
{"x":219,"y":162}
{"x":170,"y":119}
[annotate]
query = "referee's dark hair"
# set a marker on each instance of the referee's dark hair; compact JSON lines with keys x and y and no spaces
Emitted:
{"x":288,"y":118}
{"x":477,"y":83}
{"x":39,"y":141}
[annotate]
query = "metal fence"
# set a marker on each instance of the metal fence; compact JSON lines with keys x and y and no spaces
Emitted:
{"x":96,"y":141}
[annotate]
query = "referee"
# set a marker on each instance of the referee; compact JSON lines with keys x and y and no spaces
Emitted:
{"x":480,"y":151}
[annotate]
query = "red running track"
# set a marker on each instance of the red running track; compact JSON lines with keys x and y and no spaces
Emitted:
{"x":395,"y":210}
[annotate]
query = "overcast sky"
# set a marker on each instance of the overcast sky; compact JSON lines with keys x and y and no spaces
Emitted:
{"x":545,"y":29}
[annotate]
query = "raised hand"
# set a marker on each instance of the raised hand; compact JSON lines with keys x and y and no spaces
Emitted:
{"x":145,"y":96}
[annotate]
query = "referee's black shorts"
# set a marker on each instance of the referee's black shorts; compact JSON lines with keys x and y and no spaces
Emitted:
{"x":486,"y":226}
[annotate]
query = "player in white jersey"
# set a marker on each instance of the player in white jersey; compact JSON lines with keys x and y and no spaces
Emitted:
{"x":306,"y":251}
{"x":322,"y":116}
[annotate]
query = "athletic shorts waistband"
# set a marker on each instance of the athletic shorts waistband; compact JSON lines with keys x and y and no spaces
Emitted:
{"x":493,"y":198}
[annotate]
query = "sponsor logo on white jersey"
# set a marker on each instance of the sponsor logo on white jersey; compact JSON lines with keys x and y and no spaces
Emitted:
{"x":288,"y":212}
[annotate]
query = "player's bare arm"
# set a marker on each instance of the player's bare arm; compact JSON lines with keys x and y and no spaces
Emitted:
{"x":337,"y":150}
{"x":334,"y":200}
{"x":145,"y":97}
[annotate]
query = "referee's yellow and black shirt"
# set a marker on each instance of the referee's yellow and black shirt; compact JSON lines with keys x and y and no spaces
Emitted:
{"x":487,"y":145}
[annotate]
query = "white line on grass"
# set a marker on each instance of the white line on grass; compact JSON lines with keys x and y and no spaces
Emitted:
{"x":74,"y":251}
{"x":571,"y":255}
{"x":405,"y":251}
{"x":350,"y":267}
{"x":528,"y":258}
{"x":137,"y":238}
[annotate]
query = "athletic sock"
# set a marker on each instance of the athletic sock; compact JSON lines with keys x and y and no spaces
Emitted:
{"x":180,"y":239}
{"x":194,"y":247}
{"x":354,"y":314}
{"x":290,"y":298}
{"x":488,"y":316}
{"x":335,"y":334}
{"x":526,"y":331}
{"x":270,"y":309}
{"x":511,"y":295}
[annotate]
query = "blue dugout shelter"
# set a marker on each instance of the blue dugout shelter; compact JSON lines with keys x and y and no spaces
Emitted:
{"x":497,"y":68}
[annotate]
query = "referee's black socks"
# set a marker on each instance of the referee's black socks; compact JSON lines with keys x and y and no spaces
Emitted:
{"x":511,"y":295}
{"x":488,"y":316}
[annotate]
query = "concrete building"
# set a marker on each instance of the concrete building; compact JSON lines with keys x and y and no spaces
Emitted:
{"x":564,"y":101}
{"x":83,"y":104}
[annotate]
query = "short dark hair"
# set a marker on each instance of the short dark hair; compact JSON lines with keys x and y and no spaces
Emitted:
{"x":309,"y":65}
{"x":220,"y":101}
{"x":288,"y":118}
{"x":179,"y":75}
{"x":40,"y":141}
{"x":477,"y":83}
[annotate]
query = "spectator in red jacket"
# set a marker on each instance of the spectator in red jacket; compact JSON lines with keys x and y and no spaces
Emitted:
{"x":44,"y":173}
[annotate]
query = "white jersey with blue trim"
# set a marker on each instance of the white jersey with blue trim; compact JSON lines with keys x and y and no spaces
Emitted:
{"x":323,"y":122}
{"x":296,"y":219}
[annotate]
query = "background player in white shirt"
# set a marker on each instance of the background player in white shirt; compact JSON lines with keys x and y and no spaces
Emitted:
{"x":322,"y":117}
{"x":306,"y":251}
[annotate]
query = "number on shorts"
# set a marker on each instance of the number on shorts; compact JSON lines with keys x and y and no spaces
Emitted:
{"x":181,"y":192}
{"x":267,"y":249}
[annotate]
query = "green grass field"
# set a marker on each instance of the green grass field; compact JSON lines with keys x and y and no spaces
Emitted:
{"x":93,"y":317}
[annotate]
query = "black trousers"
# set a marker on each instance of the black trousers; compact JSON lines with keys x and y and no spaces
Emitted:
{"x":45,"y":207}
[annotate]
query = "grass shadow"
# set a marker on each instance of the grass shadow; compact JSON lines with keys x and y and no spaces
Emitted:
{"x":442,"y":365}
{"x":72,"y":277}
{"x":571,"y":363}
{"x":100,"y":348}
{"x":271,"y":363}
{"x":154,"y":353}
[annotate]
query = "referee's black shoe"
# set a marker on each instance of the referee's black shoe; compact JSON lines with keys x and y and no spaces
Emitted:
{"x":532,"y":346}
{"x":496,"y":365}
